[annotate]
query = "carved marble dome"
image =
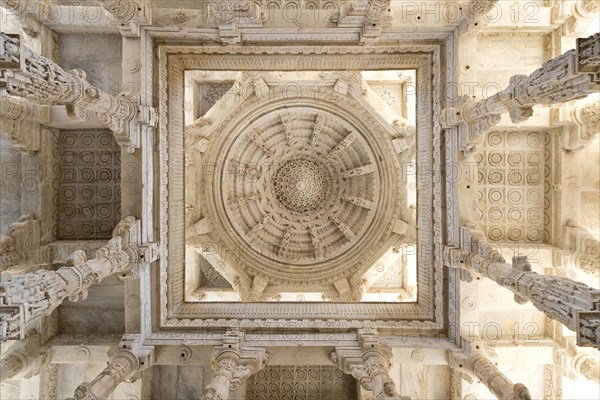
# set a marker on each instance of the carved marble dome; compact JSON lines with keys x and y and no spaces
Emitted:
{"x":302,"y":188}
{"x":299,"y":199}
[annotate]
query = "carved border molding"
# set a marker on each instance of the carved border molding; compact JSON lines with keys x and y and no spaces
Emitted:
{"x":426,"y":316}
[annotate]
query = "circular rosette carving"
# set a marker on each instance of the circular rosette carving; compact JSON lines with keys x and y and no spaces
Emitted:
{"x":299,"y":191}
{"x":302,"y":185}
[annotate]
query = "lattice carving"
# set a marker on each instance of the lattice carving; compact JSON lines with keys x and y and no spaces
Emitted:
{"x":302,"y":185}
{"x":89,"y":185}
{"x":282,"y":382}
{"x":511,"y":170}
{"x":23,"y":359}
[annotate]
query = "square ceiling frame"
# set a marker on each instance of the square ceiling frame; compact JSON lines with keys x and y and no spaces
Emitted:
{"x":432,"y":315}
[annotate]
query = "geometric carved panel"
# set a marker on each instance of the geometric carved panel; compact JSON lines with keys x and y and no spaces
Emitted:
{"x":89,"y":200}
{"x":297,"y":382}
{"x":511,"y":186}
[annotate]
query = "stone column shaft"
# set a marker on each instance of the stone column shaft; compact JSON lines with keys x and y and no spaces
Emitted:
{"x":20,"y":109}
{"x":574,"y":304}
{"x":36,"y":294}
{"x":23,"y":359}
{"x":31,"y":76}
{"x":476,"y":363}
{"x":222,"y":381}
{"x":130,"y":357}
{"x":10,"y":366}
{"x":121,"y":367}
{"x":381,"y":383}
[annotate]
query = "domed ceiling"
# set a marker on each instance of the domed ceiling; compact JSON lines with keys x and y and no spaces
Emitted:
{"x":295,"y":193}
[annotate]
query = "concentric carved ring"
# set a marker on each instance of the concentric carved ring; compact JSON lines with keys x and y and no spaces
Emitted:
{"x":299,"y":192}
{"x":304,"y":187}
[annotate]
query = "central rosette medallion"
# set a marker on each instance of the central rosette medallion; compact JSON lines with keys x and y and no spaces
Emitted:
{"x":302,"y":185}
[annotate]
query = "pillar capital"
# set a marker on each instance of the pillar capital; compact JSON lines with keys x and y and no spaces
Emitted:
{"x":21,"y":121}
{"x":21,"y":249}
{"x":368,"y":363}
{"x":230,"y":16}
{"x":232,"y":363}
{"x":579,"y":123}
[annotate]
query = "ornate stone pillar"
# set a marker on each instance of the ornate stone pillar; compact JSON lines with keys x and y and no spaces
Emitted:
{"x":31,"y":76}
{"x":129,"y":358}
{"x":368,"y":363}
{"x":130,"y":15}
{"x":588,"y":263}
{"x":233,"y":363}
{"x":20,"y":121}
{"x":475,"y":362}
{"x":22,"y":360}
{"x":20,"y":250}
{"x":586,"y":364}
{"x":584,"y":248}
{"x":580,"y":123}
{"x":574,"y":304}
{"x":36,"y":294}
{"x":575,"y":361}
{"x":570,"y":76}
